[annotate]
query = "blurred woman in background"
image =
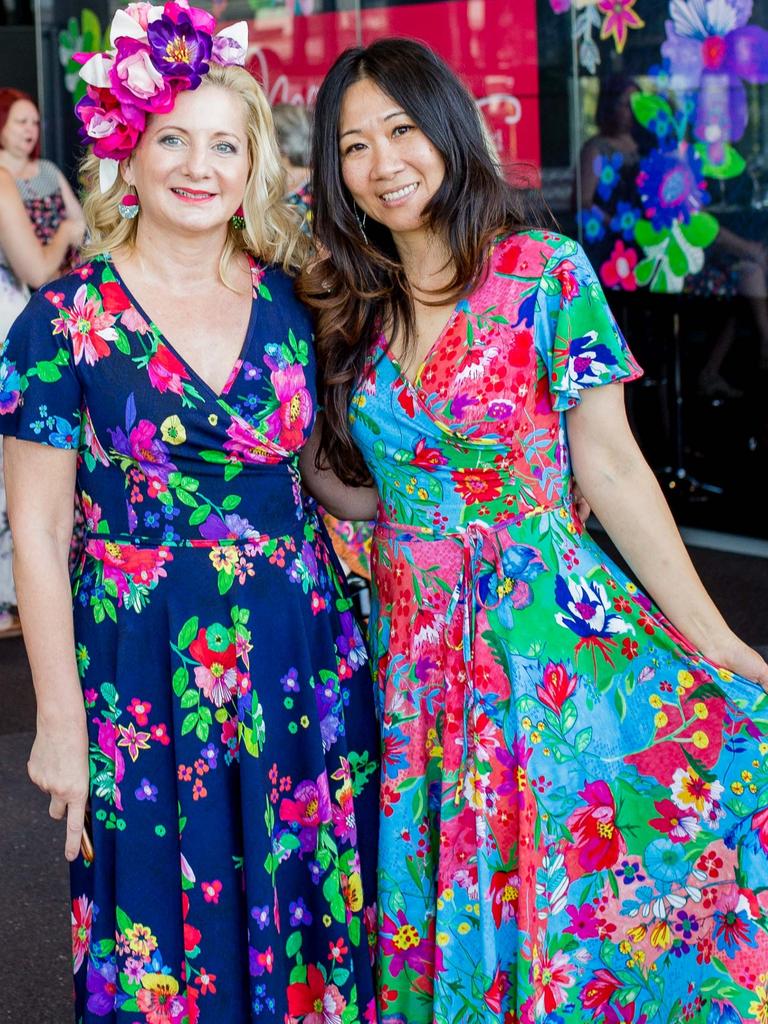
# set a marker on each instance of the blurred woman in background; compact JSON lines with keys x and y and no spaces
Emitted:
{"x":40,"y":220}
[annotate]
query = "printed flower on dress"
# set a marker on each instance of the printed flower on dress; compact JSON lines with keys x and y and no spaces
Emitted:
{"x":10,"y":385}
{"x":497,"y":990}
{"x":477,"y":485}
{"x":124,"y":565}
{"x":101,"y":984}
{"x":82,"y":922}
{"x":309,"y":808}
{"x":426,"y":458}
{"x":504,"y":891}
{"x":315,"y":1001}
{"x":159,"y":999}
{"x":401,"y":941}
{"x":287,"y":425}
{"x":166,"y":371}
{"x":511,"y":591}
{"x":690,"y":790}
{"x":589,"y":361}
{"x":680,"y":825}
{"x":87,"y":325}
{"x":596,"y":838}
{"x":216,"y":673}
{"x":599,"y":990}
{"x":552,"y":976}
{"x":142,"y":445}
{"x":732,"y":926}
{"x":588,"y":612}
{"x":247,"y":444}
{"x":760,"y":825}
{"x":557,"y":685}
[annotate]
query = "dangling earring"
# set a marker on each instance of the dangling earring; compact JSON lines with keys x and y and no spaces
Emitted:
{"x":128,"y":207}
{"x":238,"y":219}
{"x":361,"y":223}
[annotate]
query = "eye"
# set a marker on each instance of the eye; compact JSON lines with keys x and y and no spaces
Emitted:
{"x":172,"y":141}
{"x":402,"y":129}
{"x":354,"y":147}
{"x":225,"y":147}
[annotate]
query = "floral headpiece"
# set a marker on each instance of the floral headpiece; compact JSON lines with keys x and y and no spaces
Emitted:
{"x":157,"y":52}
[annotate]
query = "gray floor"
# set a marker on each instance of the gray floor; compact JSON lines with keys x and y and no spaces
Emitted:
{"x":35,"y":965}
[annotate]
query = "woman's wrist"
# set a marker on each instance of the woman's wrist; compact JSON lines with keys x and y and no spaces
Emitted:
{"x":64,"y":706}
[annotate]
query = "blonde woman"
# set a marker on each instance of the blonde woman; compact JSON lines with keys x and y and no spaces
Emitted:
{"x":208,"y":698}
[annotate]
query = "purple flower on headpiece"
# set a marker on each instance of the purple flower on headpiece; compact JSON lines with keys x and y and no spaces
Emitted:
{"x":711,"y":48}
{"x":135,"y":79}
{"x":228,"y":51}
{"x":672,"y":186}
{"x":179,"y":51}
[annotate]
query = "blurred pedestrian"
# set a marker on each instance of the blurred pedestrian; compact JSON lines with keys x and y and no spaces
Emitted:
{"x":293,"y":127}
{"x":45,"y":198}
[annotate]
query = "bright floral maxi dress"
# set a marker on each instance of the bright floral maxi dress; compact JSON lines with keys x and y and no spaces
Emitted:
{"x":574,"y":804}
{"x":233,"y":743}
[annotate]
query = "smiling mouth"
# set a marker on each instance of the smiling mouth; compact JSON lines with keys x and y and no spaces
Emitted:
{"x":193,"y":194}
{"x":401,"y":193}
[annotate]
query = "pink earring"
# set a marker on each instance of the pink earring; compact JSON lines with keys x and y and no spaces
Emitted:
{"x":128,"y":207}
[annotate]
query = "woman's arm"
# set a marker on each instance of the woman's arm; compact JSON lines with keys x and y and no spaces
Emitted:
{"x":339,"y":499}
{"x":71,"y":205}
{"x":32,"y":262}
{"x":40,"y":487}
{"x":624,"y":495}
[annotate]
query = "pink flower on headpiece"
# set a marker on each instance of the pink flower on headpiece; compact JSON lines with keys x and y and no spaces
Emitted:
{"x":201,"y":20}
{"x":139,"y":13}
{"x":135,"y":79}
{"x":113,"y":128}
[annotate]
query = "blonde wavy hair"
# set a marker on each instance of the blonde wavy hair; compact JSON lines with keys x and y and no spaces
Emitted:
{"x":272,"y":227}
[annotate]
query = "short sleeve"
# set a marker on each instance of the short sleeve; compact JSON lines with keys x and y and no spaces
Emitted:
{"x":584,"y":347}
{"x":40,"y":393}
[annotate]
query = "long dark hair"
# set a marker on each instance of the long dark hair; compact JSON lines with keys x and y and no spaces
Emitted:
{"x":358,"y":284}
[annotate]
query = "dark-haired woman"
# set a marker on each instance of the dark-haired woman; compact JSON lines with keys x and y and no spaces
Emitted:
{"x":574,"y":821}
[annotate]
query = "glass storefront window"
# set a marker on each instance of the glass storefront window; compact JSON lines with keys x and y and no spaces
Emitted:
{"x":648,"y":125}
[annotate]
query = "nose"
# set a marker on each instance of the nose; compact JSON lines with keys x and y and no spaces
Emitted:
{"x":386,"y":160}
{"x":197,"y":163}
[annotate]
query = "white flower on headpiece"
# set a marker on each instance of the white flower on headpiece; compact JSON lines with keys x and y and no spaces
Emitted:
{"x":96,"y":71}
{"x":107,"y":173}
{"x":123,"y":25}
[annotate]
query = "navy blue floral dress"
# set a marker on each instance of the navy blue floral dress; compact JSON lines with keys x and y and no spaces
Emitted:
{"x":229,"y":703}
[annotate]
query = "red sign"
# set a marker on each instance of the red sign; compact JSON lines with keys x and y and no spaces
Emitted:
{"x":490,"y":43}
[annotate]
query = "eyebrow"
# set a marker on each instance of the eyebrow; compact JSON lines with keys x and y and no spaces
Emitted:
{"x":358,"y":131}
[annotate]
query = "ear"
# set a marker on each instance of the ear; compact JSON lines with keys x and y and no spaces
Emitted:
{"x":126,"y":172}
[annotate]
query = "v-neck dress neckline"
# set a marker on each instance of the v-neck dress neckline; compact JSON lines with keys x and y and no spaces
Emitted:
{"x":238,"y":363}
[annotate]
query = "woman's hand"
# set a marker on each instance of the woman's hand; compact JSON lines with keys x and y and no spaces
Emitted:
{"x":58,"y":764}
{"x":736,"y":656}
{"x":580,"y":503}
{"x":75,"y":229}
